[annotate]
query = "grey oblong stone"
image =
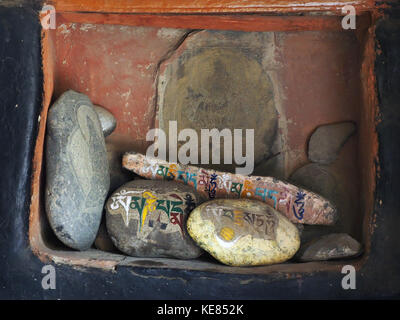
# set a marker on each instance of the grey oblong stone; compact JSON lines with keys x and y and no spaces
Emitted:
{"x":331,"y":246}
{"x":77,"y":173}
{"x":327,"y":140}
{"x":107,"y":120}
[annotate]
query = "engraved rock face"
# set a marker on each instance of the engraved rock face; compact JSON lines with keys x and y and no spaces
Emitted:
{"x":148,"y":219}
{"x":107,"y":120}
{"x":221,"y":80}
{"x":331,"y":246}
{"x":243,"y":232}
{"x":327,"y":140}
{"x":77,"y":174}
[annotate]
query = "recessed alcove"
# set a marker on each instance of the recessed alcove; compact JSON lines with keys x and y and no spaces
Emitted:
{"x":319,"y":74}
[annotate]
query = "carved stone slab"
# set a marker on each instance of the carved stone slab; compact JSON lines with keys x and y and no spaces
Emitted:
{"x":148,"y":219}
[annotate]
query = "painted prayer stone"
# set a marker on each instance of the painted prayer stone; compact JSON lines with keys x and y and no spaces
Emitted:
{"x":327,"y":140}
{"x":243,"y":232}
{"x":331,"y":246}
{"x":297,"y":204}
{"x":77,"y":176}
{"x":148,"y":219}
{"x":333,"y":183}
{"x":103,"y":241}
{"x":107,"y":120}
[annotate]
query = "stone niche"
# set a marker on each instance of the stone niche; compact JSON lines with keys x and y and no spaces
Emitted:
{"x":283,"y":82}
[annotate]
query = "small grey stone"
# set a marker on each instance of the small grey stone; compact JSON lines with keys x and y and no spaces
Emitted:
{"x":327,"y":140}
{"x":331,"y":246}
{"x":77,"y":176}
{"x":107,"y":120}
{"x":147,"y":218}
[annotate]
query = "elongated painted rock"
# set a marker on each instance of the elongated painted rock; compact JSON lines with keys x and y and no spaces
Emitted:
{"x":77,"y":176}
{"x":148,"y":219}
{"x":298,"y":205}
{"x":243,"y":232}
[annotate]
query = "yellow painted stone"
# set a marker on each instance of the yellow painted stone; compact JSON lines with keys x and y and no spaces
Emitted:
{"x":243,"y":232}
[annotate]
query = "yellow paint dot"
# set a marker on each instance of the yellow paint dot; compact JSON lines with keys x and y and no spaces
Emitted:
{"x":227,"y":233}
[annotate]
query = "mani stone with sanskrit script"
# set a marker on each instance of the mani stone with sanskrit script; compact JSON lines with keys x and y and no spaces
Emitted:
{"x":148,"y":219}
{"x":243,"y":232}
{"x":77,"y":176}
{"x":297,"y":204}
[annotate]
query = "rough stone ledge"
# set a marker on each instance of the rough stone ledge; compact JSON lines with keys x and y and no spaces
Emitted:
{"x":97,"y":259}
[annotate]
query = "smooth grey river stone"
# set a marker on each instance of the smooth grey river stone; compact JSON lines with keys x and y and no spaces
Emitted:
{"x":107,"y":120}
{"x":327,"y":140}
{"x":77,"y":173}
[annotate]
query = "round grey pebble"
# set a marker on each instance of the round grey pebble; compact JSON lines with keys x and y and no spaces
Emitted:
{"x":107,"y":120}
